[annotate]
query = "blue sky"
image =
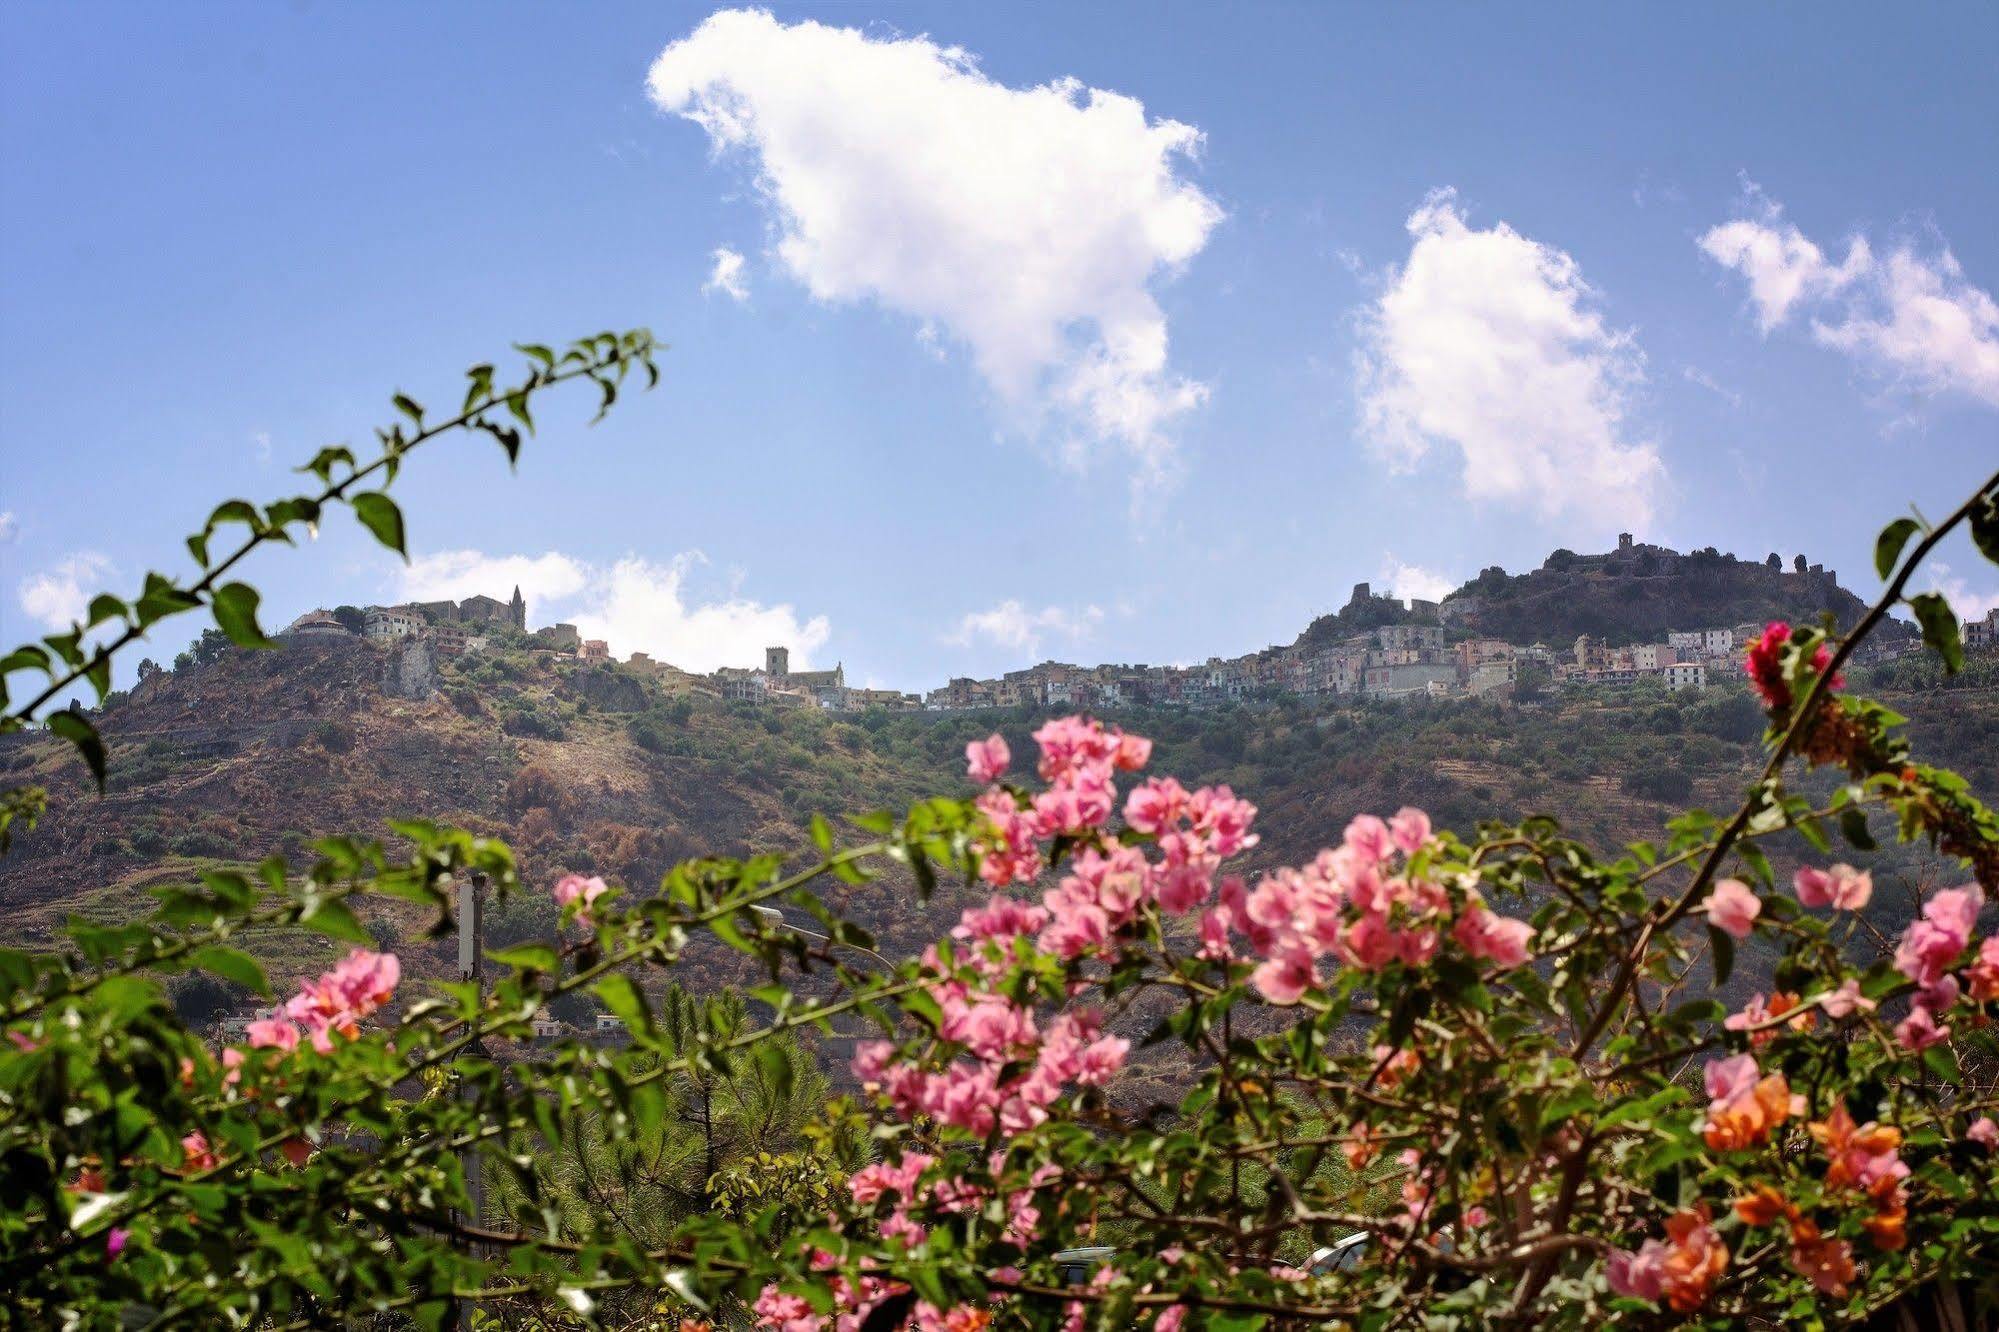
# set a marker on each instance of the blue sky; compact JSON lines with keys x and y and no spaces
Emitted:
{"x":1302,"y":296}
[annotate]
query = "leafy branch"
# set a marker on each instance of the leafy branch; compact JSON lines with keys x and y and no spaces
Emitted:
{"x":65,"y":660}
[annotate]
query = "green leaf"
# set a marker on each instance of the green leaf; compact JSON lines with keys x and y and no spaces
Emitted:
{"x":336,"y":920}
{"x":1853,"y":824}
{"x":103,"y":607}
{"x":72,"y":727}
{"x":233,"y":965}
{"x":1939,"y":629}
{"x":235,"y":607}
{"x":409,"y":407}
{"x":528,"y":957}
{"x":379,"y":514}
{"x":1985,"y":527}
{"x":1723,"y":948}
{"x":1888,"y":546}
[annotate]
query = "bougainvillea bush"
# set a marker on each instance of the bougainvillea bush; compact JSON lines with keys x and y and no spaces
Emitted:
{"x":1492,"y":1054}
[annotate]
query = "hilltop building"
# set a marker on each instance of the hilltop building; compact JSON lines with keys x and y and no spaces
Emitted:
{"x":477,"y":610}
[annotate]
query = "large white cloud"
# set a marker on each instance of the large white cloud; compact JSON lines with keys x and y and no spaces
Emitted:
{"x":57,"y":597}
{"x":1027,"y":223}
{"x":1490,"y":343}
{"x":1909,"y":316}
{"x":634,"y":604}
{"x":1014,"y":626}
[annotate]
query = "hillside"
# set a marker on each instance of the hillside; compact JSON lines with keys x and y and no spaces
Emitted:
{"x":254,"y":753}
{"x":1636,"y":593}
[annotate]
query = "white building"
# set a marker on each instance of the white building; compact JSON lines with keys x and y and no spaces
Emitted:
{"x":1690,"y":643}
{"x":1686,"y":675}
{"x":388,"y":622}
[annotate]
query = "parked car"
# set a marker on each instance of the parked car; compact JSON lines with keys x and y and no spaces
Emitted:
{"x":1076,"y":1267}
{"x":1343,"y":1256}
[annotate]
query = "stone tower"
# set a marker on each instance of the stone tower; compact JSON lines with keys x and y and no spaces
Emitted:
{"x":519,"y":609}
{"x":777,"y":662}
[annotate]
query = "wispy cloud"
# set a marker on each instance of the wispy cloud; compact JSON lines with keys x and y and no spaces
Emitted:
{"x":1012,"y":625}
{"x":1700,"y":378}
{"x":1910,"y":316}
{"x":727,"y":276}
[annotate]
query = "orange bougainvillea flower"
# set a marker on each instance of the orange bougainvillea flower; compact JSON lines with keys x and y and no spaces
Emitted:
{"x":1745,"y":1108}
{"x":1695,"y":1260}
{"x":1888,"y":1227}
{"x":1866,"y":1158}
{"x":1681,"y":1269}
{"x":1826,"y":1263}
{"x":1765,"y":1207}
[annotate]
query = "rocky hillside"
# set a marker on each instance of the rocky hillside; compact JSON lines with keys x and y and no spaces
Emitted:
{"x":1637,"y":593}
{"x":588,"y":767}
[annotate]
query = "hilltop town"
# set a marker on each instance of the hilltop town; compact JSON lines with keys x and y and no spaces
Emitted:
{"x":1471,"y":644}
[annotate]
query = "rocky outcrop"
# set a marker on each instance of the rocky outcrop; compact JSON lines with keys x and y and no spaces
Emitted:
{"x":411,"y":669}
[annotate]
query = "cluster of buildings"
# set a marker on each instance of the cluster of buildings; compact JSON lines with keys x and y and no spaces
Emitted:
{"x":452,"y":627}
{"x":1389,"y":662}
{"x":1427,"y":654}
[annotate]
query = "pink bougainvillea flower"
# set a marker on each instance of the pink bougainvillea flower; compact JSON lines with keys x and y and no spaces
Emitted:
{"x":1920,"y":1029}
{"x":986,"y":760}
{"x":1757,"y":1012}
{"x":1369,"y":838}
{"x":196,"y":1154}
{"x":1284,"y":978}
{"x":1846,"y":1000}
{"x":1933,"y":942}
{"x":276,"y":1033}
{"x":575,"y":888}
{"x":1409,"y":830}
{"x":1841,"y":886}
{"x":1133,"y":752}
{"x":115,"y":1240}
{"x":1732,"y":908}
{"x":1496,"y":938}
{"x":336,"y":1002}
{"x":1983,"y":1132}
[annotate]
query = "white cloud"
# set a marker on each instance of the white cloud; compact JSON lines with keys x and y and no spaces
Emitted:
{"x":10,"y":527}
{"x":1025,"y":223}
{"x":1968,"y":604}
{"x":1013,"y":626}
{"x":634,"y":604}
{"x":1489,"y":343}
{"x":1697,"y":376}
{"x":1413,"y":580}
{"x":1911,"y":317}
{"x":57,"y":598}
{"x":727,"y":275}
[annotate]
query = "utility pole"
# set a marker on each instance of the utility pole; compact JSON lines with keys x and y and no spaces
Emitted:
{"x":472,"y":967}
